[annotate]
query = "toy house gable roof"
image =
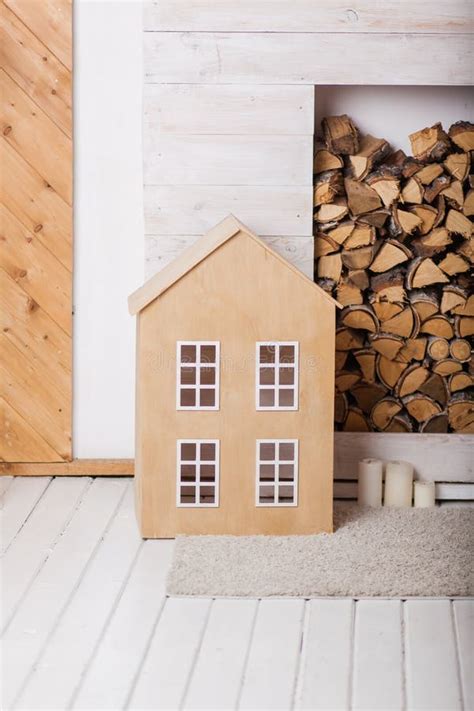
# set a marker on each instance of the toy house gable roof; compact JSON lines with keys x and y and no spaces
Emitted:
{"x":196,"y":253}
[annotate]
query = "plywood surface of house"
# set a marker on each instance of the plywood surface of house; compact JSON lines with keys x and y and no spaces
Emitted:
{"x":36,"y":230}
{"x":239,"y":295}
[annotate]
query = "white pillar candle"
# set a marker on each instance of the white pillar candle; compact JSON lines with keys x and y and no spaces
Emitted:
{"x":370,"y":482}
{"x":424,"y":494}
{"x":398,"y":484}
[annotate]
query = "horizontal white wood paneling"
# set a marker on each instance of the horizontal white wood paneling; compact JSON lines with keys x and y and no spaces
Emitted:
{"x":272,"y":58}
{"x":267,"y":210}
{"x":435,"y":457}
{"x":229,"y":109}
{"x":308,"y":16}
{"x":161,"y":250}
{"x":172,"y":159}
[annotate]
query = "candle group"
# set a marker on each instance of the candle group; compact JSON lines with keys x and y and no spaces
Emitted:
{"x":399,"y":485}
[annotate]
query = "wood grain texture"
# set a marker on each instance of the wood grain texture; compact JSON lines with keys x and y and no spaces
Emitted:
{"x":76,"y":467}
{"x":274,"y":58}
{"x":36,"y":230}
{"x":308,"y":16}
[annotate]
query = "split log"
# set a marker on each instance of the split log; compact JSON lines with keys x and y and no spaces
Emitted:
{"x":325,"y":160}
{"x":366,"y":395}
{"x":327,"y":187}
{"x":341,"y":135}
{"x":371,"y":151}
{"x":361,"y":236}
{"x":390,"y":255}
{"x":387,"y":344}
{"x":332,"y":212}
{"x":389,"y":371}
{"x":365,"y":358}
{"x":428,"y":216}
{"x":414,"y":349}
{"x":340,"y":407}
{"x":462,"y":134}
{"x":467,"y":309}
{"x":438,"y":348}
{"x":348,"y":294}
{"x":340,"y":233}
{"x":386,"y":185}
{"x":400,"y":423}
{"x":454,"y":194}
{"x":388,"y":286}
{"x":436,"y":388}
{"x":437,"y":325}
{"x":411,"y":380}
{"x":346,"y":379}
{"x":413,"y":192}
{"x":377,"y":218}
{"x":464,"y":326}
{"x":467,"y":249}
{"x":468,"y":207}
{"x":360,"y":197}
{"x":355,"y":421}
{"x":458,"y":164}
{"x":454,"y":264}
{"x":405,"y":324}
{"x":348,"y":340}
{"x":452,"y":297}
{"x":424,"y":272}
{"x":461,"y":413}
{"x":384,"y":411}
{"x":385,"y":310}
{"x":421,"y":407}
{"x":424,"y":302}
{"x":460,"y":350}
{"x":460,"y":381}
{"x":433,"y":243}
{"x":437,"y":186}
{"x":359,"y":278}
{"x":406,"y":222}
{"x":360,"y":258}
{"x":430,"y":144}
{"x":458,"y":223}
{"x":446,"y":367}
{"x":340,"y":360}
{"x":437,"y":424}
{"x":330,"y":266}
{"x":429,"y":172}
{"x":360,"y":317}
{"x":323,"y":244}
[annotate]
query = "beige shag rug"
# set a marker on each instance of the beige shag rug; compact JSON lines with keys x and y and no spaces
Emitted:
{"x":373,"y":552}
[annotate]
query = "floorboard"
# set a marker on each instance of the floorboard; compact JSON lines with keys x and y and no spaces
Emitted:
{"x":19,"y":500}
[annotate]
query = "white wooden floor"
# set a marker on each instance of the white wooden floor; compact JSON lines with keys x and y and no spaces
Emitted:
{"x":86,"y":625}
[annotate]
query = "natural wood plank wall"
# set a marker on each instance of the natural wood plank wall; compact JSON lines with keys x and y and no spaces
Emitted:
{"x":36,"y":230}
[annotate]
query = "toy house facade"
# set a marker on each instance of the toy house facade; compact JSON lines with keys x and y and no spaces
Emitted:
{"x":234,"y":401}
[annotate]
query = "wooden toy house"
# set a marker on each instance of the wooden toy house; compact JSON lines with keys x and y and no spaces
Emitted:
{"x":234,"y":402}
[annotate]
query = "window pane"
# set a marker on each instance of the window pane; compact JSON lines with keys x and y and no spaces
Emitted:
{"x":266,"y":494}
{"x":207,"y":398}
{"x":188,"y":473}
{"x":287,"y":376}
{"x":287,"y":451}
{"x":188,"y":376}
{"x":286,"y":472}
{"x":285,"y":494}
{"x":188,"y":451}
{"x":208,"y":354}
{"x":287,"y":354}
{"x":267,"y":354}
{"x":188,"y":354}
{"x":267,"y":472}
{"x":208,"y":376}
{"x":287,"y":398}
{"x":207,"y":495}
{"x":187,"y":398}
{"x":267,"y":398}
{"x":267,"y":376}
{"x":188,"y":495}
{"x":207,"y":472}
{"x":267,"y":451}
{"x":208,"y":452}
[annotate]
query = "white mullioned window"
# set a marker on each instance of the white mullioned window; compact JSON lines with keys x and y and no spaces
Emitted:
{"x":277,"y":375}
{"x":197,"y":376}
{"x":277,"y":472}
{"x":197,"y":476}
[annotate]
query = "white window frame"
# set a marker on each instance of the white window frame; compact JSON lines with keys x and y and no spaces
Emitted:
{"x":276,"y":365}
{"x":197,"y":463}
{"x":197,"y":366}
{"x":276,"y":462}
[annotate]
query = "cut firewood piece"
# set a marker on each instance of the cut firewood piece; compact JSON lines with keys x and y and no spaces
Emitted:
{"x":348,"y":340}
{"x":408,"y":222}
{"x":458,"y":223}
{"x":389,"y":255}
{"x":356,"y":421}
{"x":332,"y":212}
{"x":466,"y":248}
{"x":435,"y":387}
{"x":389,"y":371}
{"x":454,"y":264}
{"x":436,"y":187}
{"x":327,"y":285}
{"x":405,"y":324}
{"x":441,"y":208}
{"x":437,"y":424}
{"x":430,"y":144}
{"x":341,"y":135}
{"x":371,"y":151}
{"x":411,"y":379}
{"x":377,"y":218}
{"x":452,"y":297}
{"x":413,"y":192}
{"x":360,"y":197}
{"x":384,"y":411}
{"x":464,"y":326}
{"x":360,"y":317}
{"x":401,"y":423}
{"x":325,"y":160}
{"x":460,"y":381}
{"x":367,"y":395}
{"x":454,"y":194}
{"x":346,"y":379}
{"x":340,"y":233}
{"x":429,"y":172}
{"x":387,"y":344}
{"x":438,"y":348}
{"x":457,"y":164}
{"x":438,"y":325}
{"x":361,"y":236}
{"x":433,"y":243}
{"x":461,"y":413}
{"x":388,"y":286}
{"x":425,"y":302}
{"x":467,"y":309}
{"x":446,"y":367}
{"x":327,"y":186}
{"x":360,"y":258}
{"x":460,"y":349}
{"x":340,"y":360}
{"x":359,"y":278}
{"x":348,"y":294}
{"x":422,"y":271}
{"x":428,"y":216}
{"x":386,"y":186}
{"x":468,"y":207}
{"x":421,"y":407}
{"x":330,"y":266}
{"x":340,"y":407}
{"x":411,"y":166}
{"x":462,"y":134}
{"x":365,"y":357}
{"x":384,"y":310}
{"x":396,"y":159}
{"x":414,"y":349}
{"x":324,"y":245}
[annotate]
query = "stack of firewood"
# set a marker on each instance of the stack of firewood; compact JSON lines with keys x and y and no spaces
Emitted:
{"x":394,"y":245}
